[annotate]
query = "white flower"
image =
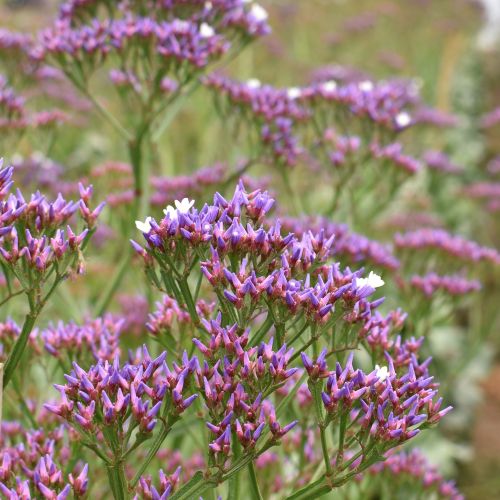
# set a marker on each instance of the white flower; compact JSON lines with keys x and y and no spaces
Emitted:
{"x":184,"y":206}
{"x":403,"y":119}
{"x":181,"y":207}
{"x":373,"y":280}
{"x":258,"y":12}
{"x":144,"y":227}
{"x":206,"y":31}
{"x":253,"y":83}
{"x":171,"y":212}
{"x":208,"y":5}
{"x":382,"y":372}
{"x":366,"y":86}
{"x":294,"y":93}
{"x":329,"y":86}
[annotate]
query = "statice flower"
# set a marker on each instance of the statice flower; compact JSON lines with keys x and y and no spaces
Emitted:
{"x":450,"y":245}
{"x":414,"y":467}
{"x":9,"y":333}
{"x":437,"y":160}
{"x":348,"y":247}
{"x":167,"y":484}
{"x":453,"y":285}
{"x":36,"y":251}
{"x":97,"y":338}
{"x":109,"y":398}
{"x":34,"y":463}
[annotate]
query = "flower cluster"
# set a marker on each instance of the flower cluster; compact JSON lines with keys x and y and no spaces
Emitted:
{"x":32,"y":241}
{"x":109,"y":401}
{"x":99,"y":338}
{"x":348,"y":247}
{"x":413,"y":466}
{"x":452,"y":245}
{"x":277,"y":269}
{"x":34,"y":464}
{"x":452,"y":285}
{"x":9,"y":333}
{"x":388,"y":405}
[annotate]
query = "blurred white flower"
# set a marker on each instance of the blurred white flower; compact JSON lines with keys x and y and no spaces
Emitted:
{"x":253,"y":83}
{"x":181,"y":207}
{"x":294,"y":93}
{"x":373,"y":280}
{"x":258,"y":12}
{"x":382,"y":372}
{"x":403,"y":119}
{"x":144,"y":227}
{"x":206,"y":31}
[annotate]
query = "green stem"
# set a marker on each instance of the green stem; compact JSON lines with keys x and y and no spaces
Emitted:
{"x":254,"y":485}
{"x":18,"y":350}
{"x":152,"y":453}
{"x":234,"y":481}
{"x":324,"y":448}
{"x":118,"y":481}
{"x":109,"y":291}
{"x":103,"y":111}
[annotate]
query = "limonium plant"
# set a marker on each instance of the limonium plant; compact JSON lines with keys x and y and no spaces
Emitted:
{"x":261,"y":327}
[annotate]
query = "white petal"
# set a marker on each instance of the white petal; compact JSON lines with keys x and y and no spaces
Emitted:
{"x":144,"y":227}
{"x":258,"y":12}
{"x":206,"y":31}
{"x":294,"y":93}
{"x":382,"y":372}
{"x":253,"y":83}
{"x":403,"y":119}
{"x":329,"y":86}
{"x":171,"y":212}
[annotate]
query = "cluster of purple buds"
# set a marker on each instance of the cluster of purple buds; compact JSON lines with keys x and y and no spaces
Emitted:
{"x":248,"y":418}
{"x":348,"y":247}
{"x":108,"y":393}
{"x":393,"y":154}
{"x":264,"y":102}
{"x":9,"y":333}
{"x":167,"y":189}
{"x":344,"y":147}
{"x":32,"y":462}
{"x":414,"y":466}
{"x":261,"y":366}
{"x":275,"y":113}
{"x":439,"y":239}
{"x":487,"y":192}
{"x":98,"y":338}
{"x":11,"y":40}
{"x":436,"y":160}
{"x":284,"y":145}
{"x":13,"y":114}
{"x":42,"y":242}
{"x":453,"y":285}
{"x":168,"y":311}
{"x":180,"y":37}
{"x":279,"y":274}
{"x":430,"y":116}
{"x":490,"y":119}
{"x":389,"y":406}
{"x":384,"y":104}
{"x":247,"y":18}
{"x":46,"y":481}
{"x":146,"y":490}
{"x":179,"y":43}
{"x":379,"y":330}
